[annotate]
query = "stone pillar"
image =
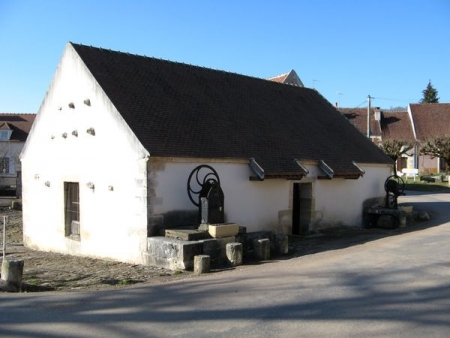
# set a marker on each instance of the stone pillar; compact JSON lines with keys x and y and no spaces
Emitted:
{"x":262,"y":249}
{"x":201,"y":264}
{"x":12,"y":271}
{"x":234,"y":253}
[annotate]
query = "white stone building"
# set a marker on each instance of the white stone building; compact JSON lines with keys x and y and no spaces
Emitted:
{"x":109,"y":155}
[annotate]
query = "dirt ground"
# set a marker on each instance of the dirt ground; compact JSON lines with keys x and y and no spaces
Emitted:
{"x":46,"y":271}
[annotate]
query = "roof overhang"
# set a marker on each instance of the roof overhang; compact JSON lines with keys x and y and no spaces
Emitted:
{"x":353,"y":173}
{"x":261,"y":175}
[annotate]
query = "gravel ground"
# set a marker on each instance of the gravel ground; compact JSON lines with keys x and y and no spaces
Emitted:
{"x":46,"y":271}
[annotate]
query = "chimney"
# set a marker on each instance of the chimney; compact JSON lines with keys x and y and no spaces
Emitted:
{"x":378,"y":114}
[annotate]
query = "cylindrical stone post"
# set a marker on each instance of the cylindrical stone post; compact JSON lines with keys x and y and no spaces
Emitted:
{"x":234,"y":253}
{"x":202,"y":264}
{"x":262,"y":249}
{"x":12,"y":271}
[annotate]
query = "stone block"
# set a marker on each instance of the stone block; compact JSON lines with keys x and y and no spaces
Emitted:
{"x":216,"y":249}
{"x":211,"y":247}
{"x":12,"y":272}
{"x":407,"y":209}
{"x":234,"y":253}
{"x":423,"y":216}
{"x":171,"y":253}
{"x":223,"y":230}
{"x":247,"y":239}
{"x":223,"y":248}
{"x":186,"y":235}
{"x":262,"y":249}
{"x":201,"y":264}
{"x":281,"y":244}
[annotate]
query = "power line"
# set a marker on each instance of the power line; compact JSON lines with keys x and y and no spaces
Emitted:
{"x":359,"y":105}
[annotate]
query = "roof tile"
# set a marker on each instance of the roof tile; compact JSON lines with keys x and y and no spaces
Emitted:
{"x":181,"y":110}
{"x":431,"y":119}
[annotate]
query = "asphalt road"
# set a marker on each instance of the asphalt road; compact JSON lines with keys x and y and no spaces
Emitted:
{"x":397,"y":286}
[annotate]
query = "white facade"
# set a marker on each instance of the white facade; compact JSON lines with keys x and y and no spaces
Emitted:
{"x":109,"y":159}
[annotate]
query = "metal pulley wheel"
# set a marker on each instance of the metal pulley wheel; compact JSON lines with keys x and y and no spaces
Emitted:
{"x":395,"y":185}
{"x":201,"y":176}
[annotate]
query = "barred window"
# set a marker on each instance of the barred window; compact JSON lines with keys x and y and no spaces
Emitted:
{"x":72,"y":209}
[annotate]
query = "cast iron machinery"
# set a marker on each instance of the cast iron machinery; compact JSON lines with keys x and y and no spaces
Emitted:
{"x":387,"y":216}
{"x":204,"y":191}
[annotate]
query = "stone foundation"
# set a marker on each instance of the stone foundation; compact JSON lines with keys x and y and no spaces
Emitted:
{"x":174,"y":253}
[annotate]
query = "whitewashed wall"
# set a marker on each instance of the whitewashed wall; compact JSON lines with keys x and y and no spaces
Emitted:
{"x":267,"y":205}
{"x":248,"y":203}
{"x":113,"y":220}
{"x":341,"y":201}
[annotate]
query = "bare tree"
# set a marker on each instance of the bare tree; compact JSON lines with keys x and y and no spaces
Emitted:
{"x":395,"y":149}
{"x":438,"y":147}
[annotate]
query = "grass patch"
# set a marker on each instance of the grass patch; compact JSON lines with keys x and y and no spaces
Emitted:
{"x":428,"y":187}
{"x":33,"y":281}
{"x":125,"y":282}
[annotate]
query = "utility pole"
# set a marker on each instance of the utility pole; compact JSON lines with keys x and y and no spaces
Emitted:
{"x":368,"y":116}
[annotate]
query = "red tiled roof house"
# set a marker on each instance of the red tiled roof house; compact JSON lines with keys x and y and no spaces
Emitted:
{"x":14,"y":129}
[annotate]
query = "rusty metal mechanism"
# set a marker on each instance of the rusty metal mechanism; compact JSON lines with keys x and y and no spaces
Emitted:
{"x":204,"y":191}
{"x":387,"y":217}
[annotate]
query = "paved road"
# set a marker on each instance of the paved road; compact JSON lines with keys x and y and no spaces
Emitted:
{"x":393,"y":287}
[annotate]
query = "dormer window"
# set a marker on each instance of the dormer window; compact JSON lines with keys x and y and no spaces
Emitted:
{"x":5,"y":135}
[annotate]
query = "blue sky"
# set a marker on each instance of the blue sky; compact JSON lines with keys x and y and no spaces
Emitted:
{"x":347,"y":50}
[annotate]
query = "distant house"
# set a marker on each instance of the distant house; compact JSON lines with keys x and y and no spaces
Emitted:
{"x":288,"y":78}
{"x":358,"y":117}
{"x":429,"y":120}
{"x":108,"y":158}
{"x":415,"y":125}
{"x":14,"y":129}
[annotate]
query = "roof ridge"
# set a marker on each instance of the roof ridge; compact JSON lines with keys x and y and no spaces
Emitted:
{"x":172,"y":62}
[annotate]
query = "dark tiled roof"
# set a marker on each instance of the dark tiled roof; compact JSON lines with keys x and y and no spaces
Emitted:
{"x":431,"y":119}
{"x":358,"y":117}
{"x":20,"y":124}
{"x":397,"y":126}
{"x":186,"y":111}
